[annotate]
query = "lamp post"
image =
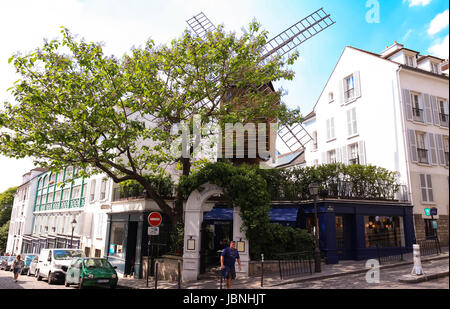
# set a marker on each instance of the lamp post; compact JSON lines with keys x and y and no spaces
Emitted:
{"x":74,"y":223}
{"x":314,"y":191}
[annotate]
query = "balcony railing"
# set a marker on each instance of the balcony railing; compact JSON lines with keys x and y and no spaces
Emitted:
{"x":354,"y":160}
{"x":417,"y":114}
{"x":423,"y":155}
{"x":443,"y":119}
{"x":349,"y":94}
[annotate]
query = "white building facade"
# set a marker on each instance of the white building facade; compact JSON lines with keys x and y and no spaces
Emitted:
{"x":389,"y":110}
{"x":22,"y":213}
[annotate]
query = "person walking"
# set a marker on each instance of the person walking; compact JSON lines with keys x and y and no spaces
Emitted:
{"x":228,"y":261}
{"x":17,"y":266}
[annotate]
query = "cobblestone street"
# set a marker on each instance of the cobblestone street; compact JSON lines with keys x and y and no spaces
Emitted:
{"x":388,"y":280}
{"x":25,"y":282}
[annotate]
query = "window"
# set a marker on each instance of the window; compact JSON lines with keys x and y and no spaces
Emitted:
{"x":422,"y":150}
{"x":443,"y":113}
{"x":103,"y":189}
{"x":410,"y":61}
{"x":330,"y":97}
{"x":349,"y":87}
{"x":383,"y":231}
{"x":331,"y":156}
{"x":416,"y":107}
{"x":76,"y":192}
{"x":426,"y":188}
{"x":66,"y":194}
{"x":69,"y":172}
{"x":435,"y":68}
{"x":430,"y":232}
{"x":330,"y":129}
{"x":351,"y":122}
{"x":314,"y":140}
{"x":117,"y":239}
{"x":353,"y":154}
{"x":92,"y":196}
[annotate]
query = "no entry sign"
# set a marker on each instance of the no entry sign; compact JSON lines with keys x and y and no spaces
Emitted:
{"x":154,"y":219}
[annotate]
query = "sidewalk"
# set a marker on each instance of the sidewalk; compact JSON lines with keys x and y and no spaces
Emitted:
{"x":273,"y":280}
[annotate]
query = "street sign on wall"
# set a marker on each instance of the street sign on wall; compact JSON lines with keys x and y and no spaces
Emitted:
{"x":427,"y":211}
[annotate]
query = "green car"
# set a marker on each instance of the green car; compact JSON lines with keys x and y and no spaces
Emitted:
{"x":91,"y":272}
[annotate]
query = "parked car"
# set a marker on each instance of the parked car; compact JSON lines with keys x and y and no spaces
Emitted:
{"x":33,"y":266}
{"x":9,"y":262}
{"x":92,"y":272}
{"x":27,"y":259}
{"x":3,"y":260}
{"x":53,"y":263}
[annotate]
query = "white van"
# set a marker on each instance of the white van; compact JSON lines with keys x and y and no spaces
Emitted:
{"x":53,"y":263}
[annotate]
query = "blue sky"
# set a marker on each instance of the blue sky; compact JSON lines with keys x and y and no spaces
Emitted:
{"x":122,"y":24}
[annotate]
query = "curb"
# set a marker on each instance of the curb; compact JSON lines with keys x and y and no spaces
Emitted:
{"x":353,"y":272}
{"x":425,"y":278}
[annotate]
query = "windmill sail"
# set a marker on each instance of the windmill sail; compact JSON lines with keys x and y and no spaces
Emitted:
{"x":298,"y":33}
{"x":295,"y":137}
{"x":201,"y":24}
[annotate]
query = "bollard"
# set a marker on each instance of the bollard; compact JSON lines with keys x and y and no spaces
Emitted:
{"x":156,"y":275}
{"x":262,"y":269}
{"x":179,"y":274}
{"x":417,"y":268}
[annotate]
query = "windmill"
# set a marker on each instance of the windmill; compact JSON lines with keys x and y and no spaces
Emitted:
{"x":295,"y":137}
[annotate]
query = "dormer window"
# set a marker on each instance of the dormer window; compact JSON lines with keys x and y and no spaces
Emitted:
{"x":435,"y":68}
{"x":330,"y":97}
{"x":410,"y":61}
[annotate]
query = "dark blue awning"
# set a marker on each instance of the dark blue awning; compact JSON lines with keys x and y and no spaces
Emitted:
{"x":276,"y":214}
{"x":283,"y":214}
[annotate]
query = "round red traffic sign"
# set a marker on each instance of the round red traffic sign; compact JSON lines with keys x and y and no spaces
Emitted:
{"x":154,"y":219}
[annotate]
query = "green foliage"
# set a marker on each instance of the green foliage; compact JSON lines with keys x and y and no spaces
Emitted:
{"x":4,"y":230}
{"x":163,"y":185}
{"x":6,"y":204}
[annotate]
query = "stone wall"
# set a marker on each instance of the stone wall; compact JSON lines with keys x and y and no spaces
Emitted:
{"x":419,"y":224}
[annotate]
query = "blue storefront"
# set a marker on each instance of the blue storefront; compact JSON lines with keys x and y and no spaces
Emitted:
{"x":349,"y":230}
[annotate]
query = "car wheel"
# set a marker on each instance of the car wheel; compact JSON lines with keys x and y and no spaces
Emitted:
{"x":113,"y":286}
{"x":29,"y":272}
{"x":66,"y":284}
{"x":38,"y":275}
{"x":80,"y":285}
{"x":50,"y":280}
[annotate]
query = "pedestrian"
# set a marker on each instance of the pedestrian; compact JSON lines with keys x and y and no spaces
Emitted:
{"x":17,"y":266}
{"x":228,"y":261}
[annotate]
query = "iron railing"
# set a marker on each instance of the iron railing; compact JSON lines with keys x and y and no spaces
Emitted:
{"x":295,"y":263}
{"x":423,"y":155}
{"x":429,"y":246}
{"x":387,"y":254}
{"x":417,"y":114}
{"x":443,"y":119}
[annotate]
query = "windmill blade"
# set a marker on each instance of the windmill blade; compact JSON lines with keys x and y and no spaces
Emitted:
{"x":294,"y":137}
{"x":201,"y":24}
{"x":298,"y":33}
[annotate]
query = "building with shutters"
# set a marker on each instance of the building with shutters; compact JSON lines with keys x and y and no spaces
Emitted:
{"x":389,"y":110}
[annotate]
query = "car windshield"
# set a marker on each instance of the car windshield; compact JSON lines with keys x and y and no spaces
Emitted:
{"x":97,"y":263}
{"x":11,"y":258}
{"x":29,"y":258}
{"x":67,"y":254}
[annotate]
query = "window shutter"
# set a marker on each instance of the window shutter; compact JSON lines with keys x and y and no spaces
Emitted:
{"x":328,"y":129}
{"x":354,"y":123}
{"x":427,"y":108}
{"x":339,"y":155}
{"x":362,"y":152}
{"x":341,"y":92}
{"x":344,"y":155}
{"x":430,"y":189}
{"x":357,"y":80}
{"x":349,"y":123}
{"x":412,"y":145}
{"x":432,"y":157}
{"x":324,"y":158}
{"x":332,"y":128}
{"x":440,"y":149}
{"x":435,"y":108}
{"x":408,"y":105}
{"x":423,"y":188}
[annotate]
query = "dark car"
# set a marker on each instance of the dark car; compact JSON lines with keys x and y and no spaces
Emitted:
{"x":3,"y":260}
{"x":27,"y":258}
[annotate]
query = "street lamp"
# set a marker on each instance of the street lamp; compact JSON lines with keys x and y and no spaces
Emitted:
{"x":74,"y":223}
{"x":314,"y":191}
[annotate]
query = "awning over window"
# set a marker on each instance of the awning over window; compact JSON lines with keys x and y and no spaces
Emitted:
{"x":275,"y":214}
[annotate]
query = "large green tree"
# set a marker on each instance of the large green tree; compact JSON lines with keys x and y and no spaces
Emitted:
{"x":76,"y":106}
{"x":6,"y":205}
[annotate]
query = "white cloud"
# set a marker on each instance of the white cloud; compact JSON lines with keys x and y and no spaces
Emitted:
{"x":417,"y":2}
{"x":440,"y":48}
{"x":406,"y":36}
{"x":438,"y":23}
